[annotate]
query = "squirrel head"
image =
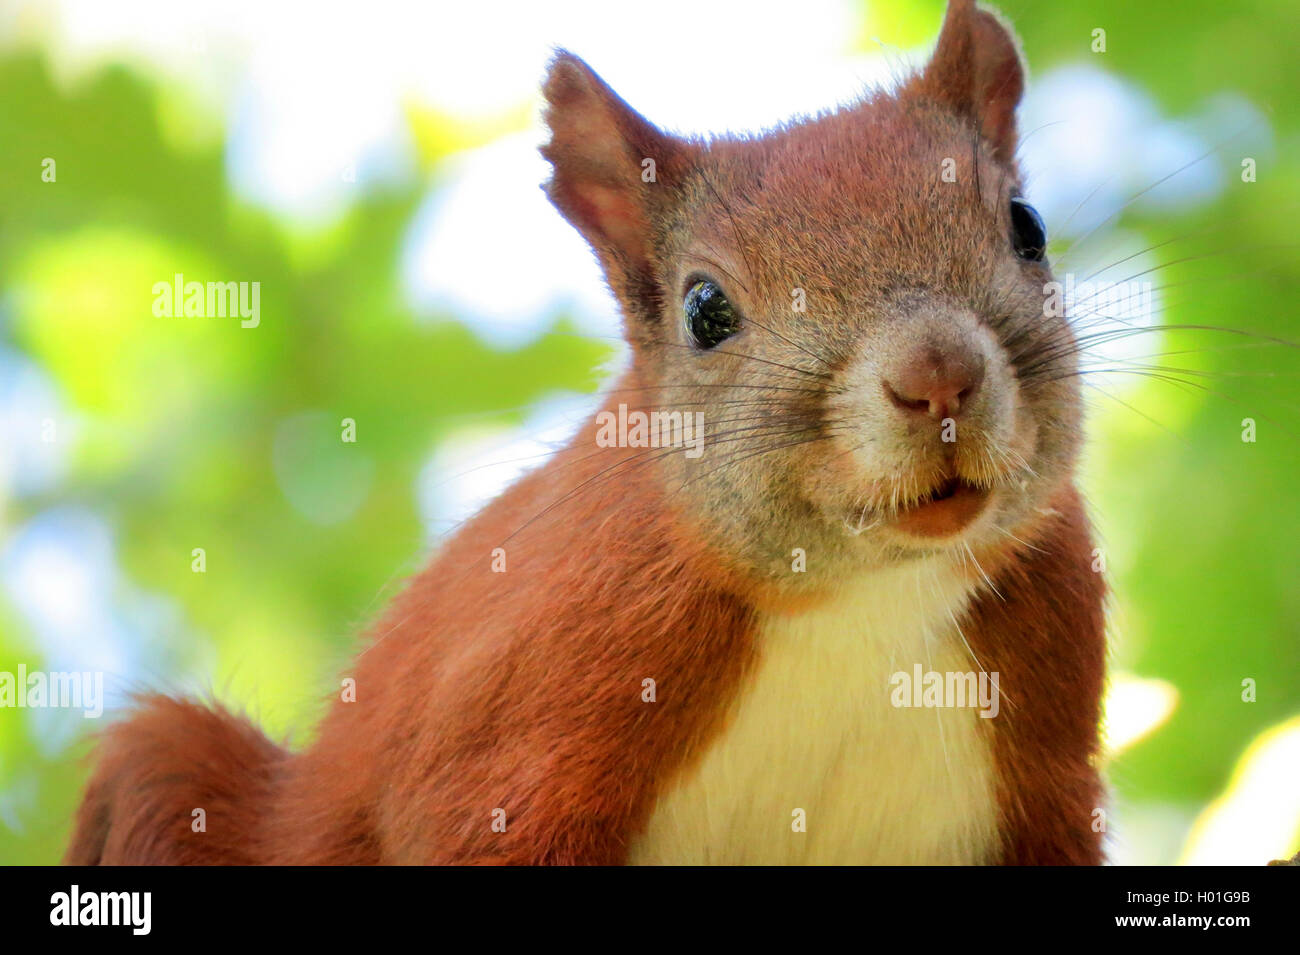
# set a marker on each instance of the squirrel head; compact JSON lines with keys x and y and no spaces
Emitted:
{"x":854,"y":300}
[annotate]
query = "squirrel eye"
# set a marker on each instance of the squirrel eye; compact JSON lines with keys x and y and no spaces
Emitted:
{"x":709,"y":316}
{"x":1028,"y":234}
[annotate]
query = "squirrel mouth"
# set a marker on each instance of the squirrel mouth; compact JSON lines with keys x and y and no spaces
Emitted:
{"x":949,"y":508}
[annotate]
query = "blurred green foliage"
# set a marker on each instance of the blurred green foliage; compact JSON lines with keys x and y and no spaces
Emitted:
{"x":176,"y":420}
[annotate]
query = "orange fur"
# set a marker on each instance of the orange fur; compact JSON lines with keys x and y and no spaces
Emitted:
{"x":1043,"y":632}
{"x":534,"y":708}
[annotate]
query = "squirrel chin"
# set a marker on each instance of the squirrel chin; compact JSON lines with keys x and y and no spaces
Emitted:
{"x":949,"y":509}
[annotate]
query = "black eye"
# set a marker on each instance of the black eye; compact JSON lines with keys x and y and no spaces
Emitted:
{"x":1028,"y":234}
{"x":709,"y":316}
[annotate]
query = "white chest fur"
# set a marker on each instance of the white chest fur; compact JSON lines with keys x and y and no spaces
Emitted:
{"x":816,"y":729}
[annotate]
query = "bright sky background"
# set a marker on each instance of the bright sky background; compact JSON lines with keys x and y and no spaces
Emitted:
{"x":308,"y":96}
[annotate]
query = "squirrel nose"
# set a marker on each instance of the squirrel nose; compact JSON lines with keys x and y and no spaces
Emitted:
{"x":936,"y":382}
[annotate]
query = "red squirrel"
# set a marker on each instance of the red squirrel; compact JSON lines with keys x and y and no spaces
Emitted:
{"x":640,"y":655}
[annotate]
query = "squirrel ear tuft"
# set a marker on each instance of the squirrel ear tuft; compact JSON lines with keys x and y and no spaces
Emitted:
{"x":601,"y":180}
{"x":976,"y":71}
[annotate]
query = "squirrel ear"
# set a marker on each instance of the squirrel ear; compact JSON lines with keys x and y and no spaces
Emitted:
{"x":976,"y":70}
{"x":610,"y":168}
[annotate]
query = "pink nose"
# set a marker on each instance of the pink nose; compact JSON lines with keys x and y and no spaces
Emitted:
{"x":936,"y":382}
